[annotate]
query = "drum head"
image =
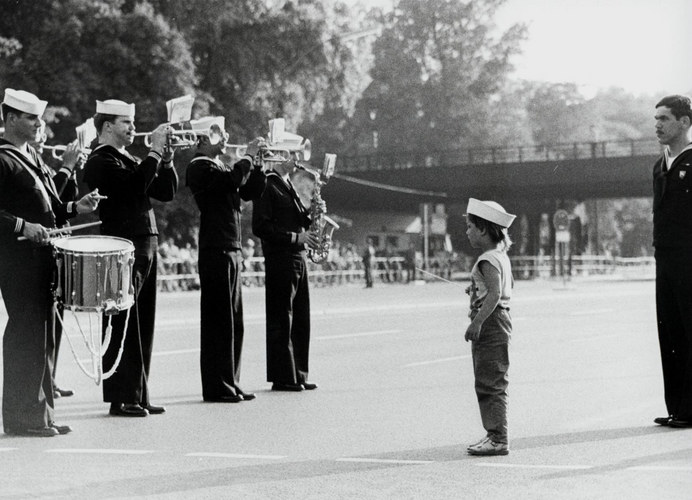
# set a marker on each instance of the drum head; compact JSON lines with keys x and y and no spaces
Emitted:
{"x":93,"y":244}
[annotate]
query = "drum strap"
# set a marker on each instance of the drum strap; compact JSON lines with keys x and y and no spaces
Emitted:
{"x":94,"y":345}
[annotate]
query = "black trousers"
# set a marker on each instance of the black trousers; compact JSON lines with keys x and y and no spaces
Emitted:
{"x":287,"y":303}
{"x":674,"y":314}
{"x":221,"y":326}
{"x":129,"y":382}
{"x":25,"y":281}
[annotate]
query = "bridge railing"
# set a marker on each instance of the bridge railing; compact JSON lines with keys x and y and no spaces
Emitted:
{"x":499,"y":155}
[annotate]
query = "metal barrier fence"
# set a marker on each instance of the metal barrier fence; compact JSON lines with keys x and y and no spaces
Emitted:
{"x":530,"y":267}
{"x":395,"y":270}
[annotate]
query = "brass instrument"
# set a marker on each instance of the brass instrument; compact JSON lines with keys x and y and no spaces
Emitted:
{"x":281,"y":152}
{"x":321,"y":224}
{"x":279,"y":147}
{"x":176,"y":138}
{"x":58,"y":150}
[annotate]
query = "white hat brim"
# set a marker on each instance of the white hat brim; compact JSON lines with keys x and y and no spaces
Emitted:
{"x":25,"y":102}
{"x":490,"y":211}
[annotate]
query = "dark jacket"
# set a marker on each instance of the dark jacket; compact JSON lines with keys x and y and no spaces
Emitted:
{"x":278,"y":216}
{"x":673,"y":202}
{"x":128,"y":183}
{"x":218,"y":189}
{"x":22,"y":198}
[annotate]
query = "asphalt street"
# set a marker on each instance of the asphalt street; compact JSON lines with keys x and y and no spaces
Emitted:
{"x":394,"y":411}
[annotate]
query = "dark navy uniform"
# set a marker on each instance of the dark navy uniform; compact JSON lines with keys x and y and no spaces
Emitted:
{"x":27,"y":193}
{"x":66,"y":185}
{"x":673,"y":250}
{"x":127,"y":213}
{"x":277,"y":219}
{"x":218,"y":190}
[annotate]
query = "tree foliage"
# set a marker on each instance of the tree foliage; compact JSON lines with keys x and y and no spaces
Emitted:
{"x":438,"y":68}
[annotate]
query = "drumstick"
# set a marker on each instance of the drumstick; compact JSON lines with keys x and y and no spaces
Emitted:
{"x":66,"y":229}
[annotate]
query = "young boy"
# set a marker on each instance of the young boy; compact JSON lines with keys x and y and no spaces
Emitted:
{"x":491,"y":324}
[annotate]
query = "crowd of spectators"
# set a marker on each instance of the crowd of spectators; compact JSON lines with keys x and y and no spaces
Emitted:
{"x":177,"y":266}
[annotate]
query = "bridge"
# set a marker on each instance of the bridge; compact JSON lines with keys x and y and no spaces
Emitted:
{"x":513,"y":175}
{"x":529,"y":180}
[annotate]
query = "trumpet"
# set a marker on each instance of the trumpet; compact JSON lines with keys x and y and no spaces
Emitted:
{"x":58,"y":150}
{"x":176,"y":138}
{"x":281,"y":150}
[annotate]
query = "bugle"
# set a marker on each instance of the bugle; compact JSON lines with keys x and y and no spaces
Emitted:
{"x":58,"y":150}
{"x":281,"y":152}
{"x":185,"y":138}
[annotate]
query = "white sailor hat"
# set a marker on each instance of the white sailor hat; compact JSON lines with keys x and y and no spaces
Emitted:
{"x":490,"y":211}
{"x":115,"y":107}
{"x":208,"y":122}
{"x":24,"y":101}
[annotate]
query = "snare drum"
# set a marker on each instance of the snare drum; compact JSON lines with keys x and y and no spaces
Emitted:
{"x":94,"y":273}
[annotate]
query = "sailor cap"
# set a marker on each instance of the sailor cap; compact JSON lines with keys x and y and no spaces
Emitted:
{"x":25,"y":102}
{"x":115,"y":107}
{"x":490,"y":211}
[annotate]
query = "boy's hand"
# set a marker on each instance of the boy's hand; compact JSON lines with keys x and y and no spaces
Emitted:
{"x":472,"y":332}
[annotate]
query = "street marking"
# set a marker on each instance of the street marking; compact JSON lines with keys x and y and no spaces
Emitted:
{"x":591,"y":311}
{"x":529,"y":466}
{"x":173,"y":353}
{"x":353,"y":335}
{"x":8,"y":449}
{"x":384,"y":461}
{"x":657,"y":468}
{"x":234,"y":455}
{"x":596,"y":337}
{"x":95,"y":451}
{"x":441,"y":360}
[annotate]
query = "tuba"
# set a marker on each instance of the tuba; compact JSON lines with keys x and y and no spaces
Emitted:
{"x":321,"y":224}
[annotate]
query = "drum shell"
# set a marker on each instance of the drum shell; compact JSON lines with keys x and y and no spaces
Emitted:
{"x":94,"y":279}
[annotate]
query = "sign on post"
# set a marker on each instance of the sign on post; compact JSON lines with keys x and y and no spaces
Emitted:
{"x":561,"y":224}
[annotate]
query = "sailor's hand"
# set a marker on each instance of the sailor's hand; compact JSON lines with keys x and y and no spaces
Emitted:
{"x":36,"y":233}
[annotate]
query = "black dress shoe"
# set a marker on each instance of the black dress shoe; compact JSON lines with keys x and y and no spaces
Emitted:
{"x":62,"y":429}
{"x":34,"y":432}
{"x":680,"y":423}
{"x":665,"y":421}
{"x":127,"y":410}
{"x":247,"y":396}
{"x":62,"y":393}
{"x":154,"y":410}
{"x":287,"y":387}
{"x":230,"y":398}
{"x":309,"y":387}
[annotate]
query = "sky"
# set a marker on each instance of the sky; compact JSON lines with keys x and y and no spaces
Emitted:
{"x":642,"y":46}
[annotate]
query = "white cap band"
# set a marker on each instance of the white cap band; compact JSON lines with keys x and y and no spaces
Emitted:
{"x":25,"y":102}
{"x":115,"y":107}
{"x":490,"y":211}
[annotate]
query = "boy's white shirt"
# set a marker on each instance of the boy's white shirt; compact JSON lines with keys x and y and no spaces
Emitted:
{"x":499,"y":260}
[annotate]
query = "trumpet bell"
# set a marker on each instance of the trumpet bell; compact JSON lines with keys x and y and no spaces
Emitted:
{"x":284,"y":150}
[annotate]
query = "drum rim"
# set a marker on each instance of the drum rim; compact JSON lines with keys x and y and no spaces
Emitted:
{"x":130,"y":245}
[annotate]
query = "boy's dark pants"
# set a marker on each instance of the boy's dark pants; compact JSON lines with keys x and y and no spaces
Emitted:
{"x":490,"y":364}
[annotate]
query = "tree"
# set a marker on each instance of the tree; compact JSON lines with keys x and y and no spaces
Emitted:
{"x":78,"y":51}
{"x":438,"y":69}
{"x":255,"y":61}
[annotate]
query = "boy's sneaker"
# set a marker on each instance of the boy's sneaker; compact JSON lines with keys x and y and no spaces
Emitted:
{"x":488,"y":447}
